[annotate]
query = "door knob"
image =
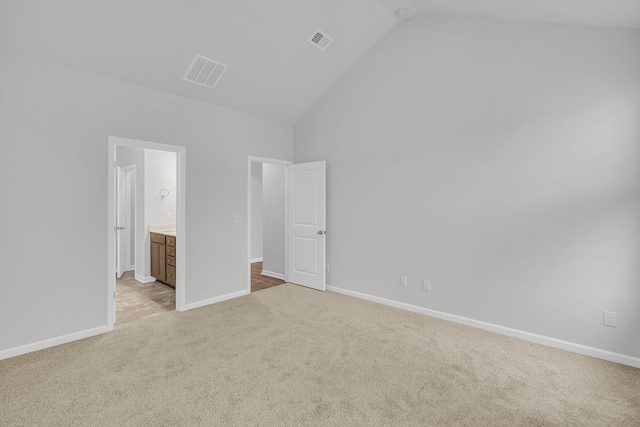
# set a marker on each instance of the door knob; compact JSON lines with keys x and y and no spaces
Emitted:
{"x":322,"y":232}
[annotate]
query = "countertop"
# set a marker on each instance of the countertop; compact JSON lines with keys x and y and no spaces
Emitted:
{"x":168,"y":229}
{"x":171,"y":233}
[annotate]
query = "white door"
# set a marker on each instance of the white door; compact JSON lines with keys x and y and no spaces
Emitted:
{"x":121,"y":219}
{"x":307,"y":224}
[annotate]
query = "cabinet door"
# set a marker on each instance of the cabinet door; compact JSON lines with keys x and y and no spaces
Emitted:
{"x":171,"y":275}
{"x":158,"y":261}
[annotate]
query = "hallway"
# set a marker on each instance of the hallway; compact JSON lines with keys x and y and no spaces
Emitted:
{"x":259,"y":281}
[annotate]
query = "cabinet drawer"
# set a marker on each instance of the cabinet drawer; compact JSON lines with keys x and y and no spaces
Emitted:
{"x":171,"y":241}
{"x":171,"y":251}
{"x":171,"y":261}
{"x":159,"y":238}
{"x":171,"y":275}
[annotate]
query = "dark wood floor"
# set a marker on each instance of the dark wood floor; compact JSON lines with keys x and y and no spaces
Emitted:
{"x":260,"y":282}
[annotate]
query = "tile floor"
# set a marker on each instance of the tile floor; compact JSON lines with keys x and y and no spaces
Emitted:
{"x":135,"y":300}
{"x":260,"y":282}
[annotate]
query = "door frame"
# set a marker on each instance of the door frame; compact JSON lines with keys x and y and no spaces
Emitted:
{"x":181,"y":172}
{"x":121,"y":237}
{"x":129,"y":172}
{"x":255,"y":159}
{"x":129,"y":196}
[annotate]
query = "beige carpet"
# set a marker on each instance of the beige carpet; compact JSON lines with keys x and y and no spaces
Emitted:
{"x":289,"y":356}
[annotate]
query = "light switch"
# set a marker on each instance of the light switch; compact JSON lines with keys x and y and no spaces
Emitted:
{"x":268,"y":215}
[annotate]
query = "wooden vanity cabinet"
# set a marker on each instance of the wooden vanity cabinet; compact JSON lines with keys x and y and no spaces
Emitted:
{"x":158,"y":261}
{"x":163,"y":258}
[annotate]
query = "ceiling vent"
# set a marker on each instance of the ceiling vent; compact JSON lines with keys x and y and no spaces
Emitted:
{"x":204,"y":71}
{"x":320,"y":39}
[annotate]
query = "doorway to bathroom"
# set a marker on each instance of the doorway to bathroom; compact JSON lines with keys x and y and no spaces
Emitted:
{"x":146,"y":229}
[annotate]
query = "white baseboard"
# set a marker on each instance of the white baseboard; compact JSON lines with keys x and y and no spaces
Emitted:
{"x":272,"y":274}
{"x":256,"y":260}
{"x":131,"y":268}
{"x":214,"y":300}
{"x":51,"y":342}
{"x":145,"y":279}
{"x":527,"y":336}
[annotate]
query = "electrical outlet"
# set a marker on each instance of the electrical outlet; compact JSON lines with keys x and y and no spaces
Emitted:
{"x":210,"y":276}
{"x":328,"y":267}
{"x":169,"y":215}
{"x":426,"y":285}
{"x":403,"y":280}
{"x":237,"y":219}
{"x":610,"y":319}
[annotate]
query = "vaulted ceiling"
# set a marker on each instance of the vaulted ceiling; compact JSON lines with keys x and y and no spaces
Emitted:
{"x":607,"y":13}
{"x":272,"y":70}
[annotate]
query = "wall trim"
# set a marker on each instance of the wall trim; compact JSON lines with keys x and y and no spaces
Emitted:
{"x":256,"y":260}
{"x":52,"y":342}
{"x":214,"y":300}
{"x":144,"y":279}
{"x":272,"y":274}
{"x":64,"y":339}
{"x":610,"y":356}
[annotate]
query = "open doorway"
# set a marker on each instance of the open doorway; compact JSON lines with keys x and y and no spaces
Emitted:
{"x":303,"y":231}
{"x":267,"y":222}
{"x":146,"y":229}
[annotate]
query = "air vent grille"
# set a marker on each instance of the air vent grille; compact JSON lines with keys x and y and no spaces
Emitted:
{"x":205,"y":71}
{"x":320,"y":39}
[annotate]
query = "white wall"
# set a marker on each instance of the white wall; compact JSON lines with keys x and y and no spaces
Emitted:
{"x":256,"y":210}
{"x":500,"y":160}
{"x":54,"y":124}
{"x":128,"y":156}
{"x":273,"y":177}
{"x":159,"y":174}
